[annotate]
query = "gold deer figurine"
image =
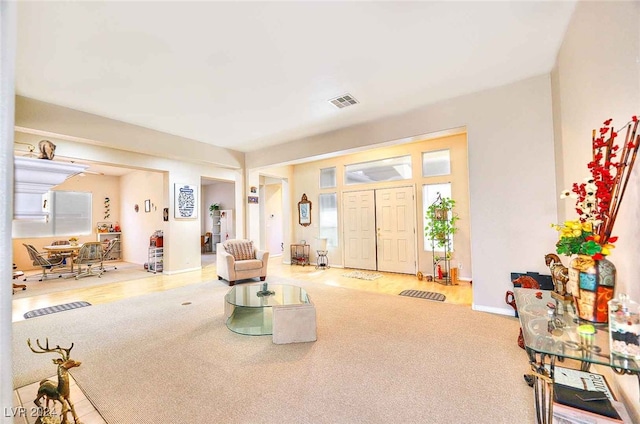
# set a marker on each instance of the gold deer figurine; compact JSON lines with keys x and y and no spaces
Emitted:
{"x":57,"y":392}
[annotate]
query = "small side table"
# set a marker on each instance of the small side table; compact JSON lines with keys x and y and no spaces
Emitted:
{"x":300,"y":254}
{"x":322,"y":262}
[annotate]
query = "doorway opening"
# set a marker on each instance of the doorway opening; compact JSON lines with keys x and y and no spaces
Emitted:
{"x":217,"y":224}
{"x":379,"y":229}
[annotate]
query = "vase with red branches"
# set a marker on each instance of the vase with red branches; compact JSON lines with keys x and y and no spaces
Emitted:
{"x":598,"y":200}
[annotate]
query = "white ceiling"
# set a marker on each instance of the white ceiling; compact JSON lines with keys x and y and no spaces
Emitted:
{"x":245,"y":75}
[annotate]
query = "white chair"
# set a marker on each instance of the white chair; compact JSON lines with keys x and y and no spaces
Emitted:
{"x":239,"y":260}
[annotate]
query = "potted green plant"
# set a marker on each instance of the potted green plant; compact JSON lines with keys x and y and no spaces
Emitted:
{"x":441,"y":222}
{"x":213,"y":207}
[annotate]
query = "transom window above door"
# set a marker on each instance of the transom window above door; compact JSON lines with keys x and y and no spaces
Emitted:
{"x":436,"y":163}
{"x":389,"y":169}
{"x":328,"y":177}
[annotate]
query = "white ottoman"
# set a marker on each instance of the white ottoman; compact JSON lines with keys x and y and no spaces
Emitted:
{"x":294,"y":323}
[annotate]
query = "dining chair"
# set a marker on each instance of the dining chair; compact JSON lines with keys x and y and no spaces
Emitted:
{"x":208,"y":242}
{"x":65,"y":255}
{"x":40,"y":260}
{"x":108,"y":250}
{"x":90,"y":255}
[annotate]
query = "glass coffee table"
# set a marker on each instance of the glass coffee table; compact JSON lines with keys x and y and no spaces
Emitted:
{"x":248,"y":309}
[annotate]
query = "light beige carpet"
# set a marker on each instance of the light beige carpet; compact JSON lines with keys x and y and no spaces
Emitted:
{"x":378,"y":359}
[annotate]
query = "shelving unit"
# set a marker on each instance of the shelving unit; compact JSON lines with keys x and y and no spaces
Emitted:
{"x":222,"y":227}
{"x":155,"y":259}
{"x":116,"y":253}
{"x":444,"y":262}
{"x":215,"y":229}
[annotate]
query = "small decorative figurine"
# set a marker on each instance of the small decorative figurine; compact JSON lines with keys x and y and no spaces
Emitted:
{"x":60,"y":391}
{"x":559,"y":276}
{"x":47,"y":149}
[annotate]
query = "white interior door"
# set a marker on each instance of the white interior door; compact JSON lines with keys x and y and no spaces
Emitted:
{"x":359,"y":229}
{"x":395,"y":224}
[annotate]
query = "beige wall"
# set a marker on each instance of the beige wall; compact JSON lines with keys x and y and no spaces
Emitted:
{"x":100,"y":186}
{"x":512,"y":193}
{"x":137,"y":227}
{"x":306,"y":179}
{"x":597,"y":77}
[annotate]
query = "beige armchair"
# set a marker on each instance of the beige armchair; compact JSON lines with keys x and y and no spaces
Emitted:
{"x":240,"y":260}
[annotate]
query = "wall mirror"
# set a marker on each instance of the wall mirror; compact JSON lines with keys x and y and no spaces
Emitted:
{"x":304,"y":211}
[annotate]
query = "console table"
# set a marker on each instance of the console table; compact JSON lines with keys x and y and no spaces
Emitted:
{"x":248,"y":309}
{"x":544,"y":343}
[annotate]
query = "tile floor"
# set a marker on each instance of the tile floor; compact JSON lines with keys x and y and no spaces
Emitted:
{"x":25,"y":411}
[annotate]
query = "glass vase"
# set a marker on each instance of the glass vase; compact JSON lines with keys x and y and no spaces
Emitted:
{"x":592,"y":284}
{"x":624,"y":327}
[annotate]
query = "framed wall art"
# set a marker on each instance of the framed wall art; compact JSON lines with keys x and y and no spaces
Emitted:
{"x":185,"y":201}
{"x":304,"y":211}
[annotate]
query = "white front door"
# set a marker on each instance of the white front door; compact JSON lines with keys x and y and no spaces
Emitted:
{"x":379,"y":230}
{"x":396,"y":223}
{"x":359,"y":234}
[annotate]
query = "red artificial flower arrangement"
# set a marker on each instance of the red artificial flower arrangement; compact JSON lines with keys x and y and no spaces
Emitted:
{"x":599,"y":198}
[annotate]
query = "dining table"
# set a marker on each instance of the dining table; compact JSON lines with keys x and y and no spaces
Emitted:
{"x":68,"y":249}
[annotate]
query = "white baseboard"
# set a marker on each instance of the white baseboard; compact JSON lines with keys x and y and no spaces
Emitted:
{"x":499,"y":311}
{"x":198,"y":268}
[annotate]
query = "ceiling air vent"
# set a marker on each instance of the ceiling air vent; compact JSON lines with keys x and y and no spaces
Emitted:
{"x":343,"y":101}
